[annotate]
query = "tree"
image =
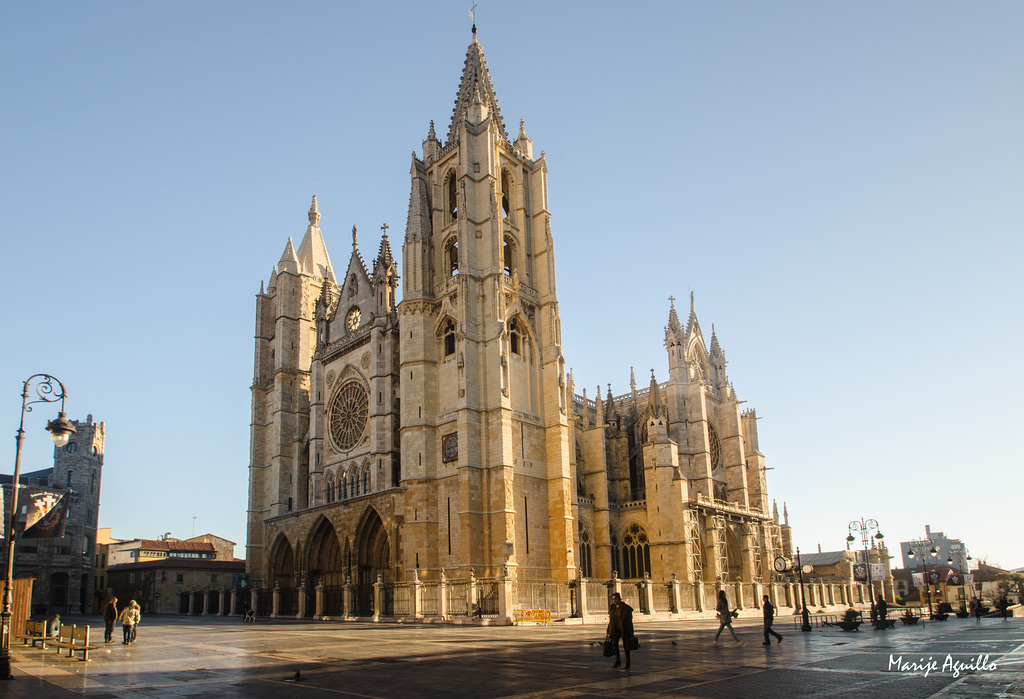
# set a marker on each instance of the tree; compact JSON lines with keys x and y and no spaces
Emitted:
{"x":1011,"y":584}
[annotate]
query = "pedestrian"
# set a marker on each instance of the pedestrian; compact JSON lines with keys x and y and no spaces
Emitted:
{"x":725,"y":619}
{"x":620,"y":625}
{"x":138,"y":618}
{"x":128,"y":616}
{"x":976,"y":608}
{"x":883,"y":610}
{"x":109,"y":617}
{"x":769,"y":619}
{"x":1004,"y":604}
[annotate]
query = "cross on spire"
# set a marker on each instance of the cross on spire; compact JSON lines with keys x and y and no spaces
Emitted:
{"x":384,"y":227}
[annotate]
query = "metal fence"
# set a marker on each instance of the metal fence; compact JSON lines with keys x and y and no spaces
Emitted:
{"x":553,"y":595}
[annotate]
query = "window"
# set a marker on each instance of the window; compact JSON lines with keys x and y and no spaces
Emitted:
{"x":72,"y":447}
{"x":69,"y":478}
{"x":180,"y":578}
{"x":506,"y":193}
{"x":636,"y":552}
{"x":451,"y":254}
{"x":453,"y":197}
{"x":586,"y":565}
{"x":509,"y":255}
{"x":213,"y":578}
{"x":366,"y":481}
{"x":449,"y":338}
{"x":515,"y":337}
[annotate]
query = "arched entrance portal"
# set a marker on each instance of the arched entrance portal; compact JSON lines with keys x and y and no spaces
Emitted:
{"x":326,"y":568}
{"x":374,"y":559}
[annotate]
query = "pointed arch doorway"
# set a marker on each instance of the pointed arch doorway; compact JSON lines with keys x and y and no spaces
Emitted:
{"x":373,"y":558}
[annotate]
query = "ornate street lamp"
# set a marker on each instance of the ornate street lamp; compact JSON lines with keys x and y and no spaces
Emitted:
{"x":48,"y":390}
{"x":924,"y":548}
{"x":963,"y":557}
{"x":865,"y":527}
{"x":806,"y":625}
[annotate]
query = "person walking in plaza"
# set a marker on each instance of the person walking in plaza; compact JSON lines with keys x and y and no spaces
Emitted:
{"x":109,"y":617}
{"x":620,"y":625}
{"x":128,"y":617}
{"x":138,"y":618}
{"x":883,"y":611}
{"x":725,"y":619}
{"x":976,"y":608}
{"x":769,"y":619}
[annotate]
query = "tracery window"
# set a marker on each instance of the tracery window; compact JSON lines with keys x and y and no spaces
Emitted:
{"x":714,"y":446}
{"x":636,"y":552}
{"x":366,"y":480}
{"x":348,"y":413}
{"x":586,"y":563}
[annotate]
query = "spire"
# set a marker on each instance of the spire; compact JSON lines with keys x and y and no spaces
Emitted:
{"x":655,"y":394}
{"x":599,"y":407}
{"x":632,"y":380}
{"x":312,"y":255}
{"x":673,"y":318}
{"x":692,"y":324}
{"x":785,"y":514}
{"x":775,"y":512}
{"x":476,"y":81}
{"x":384,"y":255}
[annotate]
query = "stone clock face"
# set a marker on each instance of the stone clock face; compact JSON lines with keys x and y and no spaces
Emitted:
{"x":352,"y":319}
{"x":450,"y":447}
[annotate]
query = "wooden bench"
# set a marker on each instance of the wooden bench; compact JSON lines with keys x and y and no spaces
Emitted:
{"x":74,"y":639}
{"x":35,"y":631}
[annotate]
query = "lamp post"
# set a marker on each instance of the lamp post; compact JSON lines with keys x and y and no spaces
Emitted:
{"x":806,"y":625}
{"x":963,"y":557}
{"x":865,"y":527}
{"x":924,"y":548}
{"x":48,"y":390}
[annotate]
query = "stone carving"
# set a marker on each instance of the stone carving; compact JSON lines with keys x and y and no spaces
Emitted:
{"x":330,"y":378}
{"x":364,"y":361}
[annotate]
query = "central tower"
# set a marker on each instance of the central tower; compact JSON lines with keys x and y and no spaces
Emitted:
{"x":484,"y":436}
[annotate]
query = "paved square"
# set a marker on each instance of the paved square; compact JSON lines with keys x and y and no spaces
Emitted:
{"x":221,"y":657}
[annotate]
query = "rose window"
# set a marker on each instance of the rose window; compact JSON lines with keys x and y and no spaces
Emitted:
{"x":348,"y":415}
{"x":714,"y":446}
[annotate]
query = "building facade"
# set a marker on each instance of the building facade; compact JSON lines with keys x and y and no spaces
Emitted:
{"x":440,"y":435}
{"x":64,"y":569}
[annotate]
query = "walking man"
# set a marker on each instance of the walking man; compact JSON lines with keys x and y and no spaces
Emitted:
{"x":620,"y":625}
{"x":109,"y":617}
{"x":128,"y":618}
{"x":769,"y":619}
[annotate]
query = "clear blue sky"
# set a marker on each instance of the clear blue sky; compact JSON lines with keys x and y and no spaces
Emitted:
{"x":840,"y":184}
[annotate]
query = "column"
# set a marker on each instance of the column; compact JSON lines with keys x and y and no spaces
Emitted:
{"x":276,"y":609}
{"x":318,"y":607}
{"x":206,"y":601}
{"x":378,"y":593}
{"x":191,"y":602}
{"x":442,"y":599}
{"x":350,"y":599}
{"x":302,"y":601}
{"x":698,"y":595}
{"x":417,"y":596}
{"x":674,"y":595}
{"x":222,"y":608}
{"x":648,"y":592}
{"x":233,"y":602}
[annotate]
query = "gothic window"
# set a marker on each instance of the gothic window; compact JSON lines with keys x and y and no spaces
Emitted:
{"x":329,"y":489}
{"x":343,"y":486}
{"x":451,"y":256}
{"x":586,"y":564}
{"x":355,"y":484}
{"x":348,"y":415}
{"x":615,"y":551}
{"x":453,"y":197}
{"x":449,"y":338}
{"x":636,"y":552}
{"x":506,"y":193}
{"x":509,"y":255}
{"x":72,"y":447}
{"x":515,"y":337}
{"x":714,"y":447}
{"x":366,"y":480}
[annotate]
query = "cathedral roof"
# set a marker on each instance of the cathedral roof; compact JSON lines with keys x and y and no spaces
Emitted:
{"x":476,"y":83}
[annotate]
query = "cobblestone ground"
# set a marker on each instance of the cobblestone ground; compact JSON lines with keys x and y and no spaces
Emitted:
{"x":220,"y":657}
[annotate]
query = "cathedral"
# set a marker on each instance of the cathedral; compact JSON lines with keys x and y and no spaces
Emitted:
{"x":436,"y":434}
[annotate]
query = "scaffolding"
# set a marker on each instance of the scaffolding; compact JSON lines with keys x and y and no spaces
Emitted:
{"x":694,"y":544}
{"x":721,"y":553}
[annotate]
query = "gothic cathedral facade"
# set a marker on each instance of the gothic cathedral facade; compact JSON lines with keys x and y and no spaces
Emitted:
{"x":399,"y":439}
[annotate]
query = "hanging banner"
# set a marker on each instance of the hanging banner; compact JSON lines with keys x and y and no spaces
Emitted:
{"x":38,"y":503}
{"x":52,"y":525}
{"x":969,"y":580}
{"x":955,"y":579}
{"x":860,"y":572}
{"x":878,"y":571}
{"x":918,"y":579}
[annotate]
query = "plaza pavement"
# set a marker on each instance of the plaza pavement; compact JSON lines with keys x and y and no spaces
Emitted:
{"x":222,"y":657}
